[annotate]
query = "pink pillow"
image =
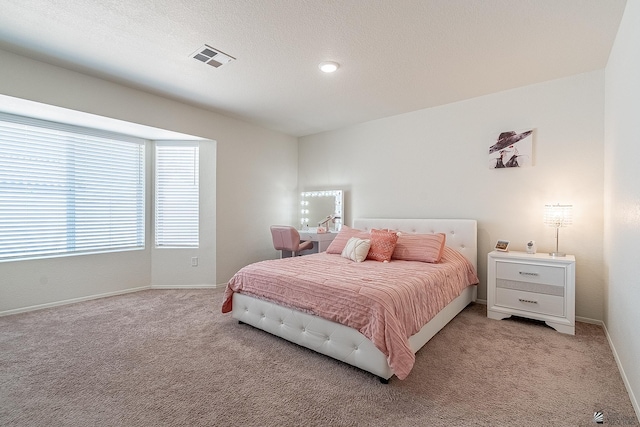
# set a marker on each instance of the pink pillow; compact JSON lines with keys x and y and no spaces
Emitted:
{"x":382,"y":245}
{"x":420,"y":247}
{"x":340,"y":241}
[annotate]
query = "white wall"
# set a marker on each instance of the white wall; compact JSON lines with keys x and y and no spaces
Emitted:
{"x":257,"y":187}
{"x":256,"y":178}
{"x":172,"y":267}
{"x":622,"y":187}
{"x":434,"y":163}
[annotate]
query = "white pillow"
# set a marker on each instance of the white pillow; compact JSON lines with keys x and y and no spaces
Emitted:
{"x":356,"y":249}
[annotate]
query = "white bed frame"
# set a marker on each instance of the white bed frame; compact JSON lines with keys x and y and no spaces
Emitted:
{"x":347,"y":344}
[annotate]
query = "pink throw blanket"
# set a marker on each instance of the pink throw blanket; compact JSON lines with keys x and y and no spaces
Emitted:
{"x":386,"y":302}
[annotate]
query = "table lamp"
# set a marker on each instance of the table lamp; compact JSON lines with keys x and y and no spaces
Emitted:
{"x":558,"y":216}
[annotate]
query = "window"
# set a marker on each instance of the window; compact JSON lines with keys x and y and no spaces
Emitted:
{"x":68,"y":190}
{"x":177,"y":195}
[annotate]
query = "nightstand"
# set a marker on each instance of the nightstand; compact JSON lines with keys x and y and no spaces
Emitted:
{"x":536,"y":286}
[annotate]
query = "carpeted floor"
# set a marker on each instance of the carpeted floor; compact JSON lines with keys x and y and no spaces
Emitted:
{"x":169,"y":358}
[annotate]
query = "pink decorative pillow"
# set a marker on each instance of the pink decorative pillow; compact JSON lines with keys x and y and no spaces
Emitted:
{"x":420,"y":247}
{"x":382,"y":245}
{"x":340,"y":241}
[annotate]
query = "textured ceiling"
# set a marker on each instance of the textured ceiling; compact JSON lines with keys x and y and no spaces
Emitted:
{"x":396,"y":56}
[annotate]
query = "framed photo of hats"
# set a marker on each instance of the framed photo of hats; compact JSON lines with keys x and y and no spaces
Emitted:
{"x":512,"y":149}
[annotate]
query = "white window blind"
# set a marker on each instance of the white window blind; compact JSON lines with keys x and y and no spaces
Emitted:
{"x":177,"y":194}
{"x":68,"y":190}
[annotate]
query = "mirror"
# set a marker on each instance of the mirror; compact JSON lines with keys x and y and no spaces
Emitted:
{"x":315,"y":206}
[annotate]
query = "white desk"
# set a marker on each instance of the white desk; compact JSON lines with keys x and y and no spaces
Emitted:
{"x":320,"y":241}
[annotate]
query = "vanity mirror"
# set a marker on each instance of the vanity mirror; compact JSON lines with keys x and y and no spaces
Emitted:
{"x":316,"y":206}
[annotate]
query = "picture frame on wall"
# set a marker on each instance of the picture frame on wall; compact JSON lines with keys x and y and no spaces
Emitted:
{"x":513,"y":149}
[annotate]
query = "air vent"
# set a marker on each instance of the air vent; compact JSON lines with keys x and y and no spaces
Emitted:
{"x":212,"y":56}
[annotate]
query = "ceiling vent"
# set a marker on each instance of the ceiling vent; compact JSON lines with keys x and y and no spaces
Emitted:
{"x":212,"y":56}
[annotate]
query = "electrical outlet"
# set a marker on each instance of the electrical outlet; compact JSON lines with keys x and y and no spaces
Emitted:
{"x":194,"y":261}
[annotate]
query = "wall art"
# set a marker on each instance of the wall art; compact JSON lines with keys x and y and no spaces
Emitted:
{"x":512,"y":150}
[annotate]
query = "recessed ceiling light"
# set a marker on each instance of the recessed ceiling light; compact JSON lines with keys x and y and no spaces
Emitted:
{"x":328,"y":66}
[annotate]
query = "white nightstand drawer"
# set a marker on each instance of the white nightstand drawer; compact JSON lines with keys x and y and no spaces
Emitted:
{"x":529,"y":301}
{"x":530,"y":273}
{"x":536,"y":288}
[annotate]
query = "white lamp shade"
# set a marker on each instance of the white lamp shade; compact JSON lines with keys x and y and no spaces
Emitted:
{"x":558,"y":215}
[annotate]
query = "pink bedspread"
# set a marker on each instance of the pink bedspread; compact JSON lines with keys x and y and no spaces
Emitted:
{"x":386,"y":302}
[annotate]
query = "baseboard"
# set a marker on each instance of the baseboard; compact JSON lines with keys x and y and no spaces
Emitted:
{"x":202,"y":286}
{"x":71,"y":301}
{"x":625,"y":380}
{"x":589,"y":320}
{"x":481,"y":301}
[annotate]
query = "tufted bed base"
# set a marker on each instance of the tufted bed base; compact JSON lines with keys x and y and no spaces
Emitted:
{"x":344,"y":343}
{"x":333,"y":339}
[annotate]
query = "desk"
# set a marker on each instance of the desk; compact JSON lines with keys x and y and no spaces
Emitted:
{"x":320,"y":241}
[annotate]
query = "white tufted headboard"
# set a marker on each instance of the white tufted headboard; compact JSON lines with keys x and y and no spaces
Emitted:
{"x":461,"y":233}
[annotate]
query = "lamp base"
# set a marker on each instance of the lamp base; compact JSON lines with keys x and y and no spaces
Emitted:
{"x":557,"y":254}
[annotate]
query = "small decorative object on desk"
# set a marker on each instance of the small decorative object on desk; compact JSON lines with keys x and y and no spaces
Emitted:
{"x":321,"y":230}
{"x":324,"y":224}
{"x":531,"y":247}
{"x":502,"y":245}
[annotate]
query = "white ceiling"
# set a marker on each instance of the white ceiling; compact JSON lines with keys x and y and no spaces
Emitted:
{"x":395,"y":55}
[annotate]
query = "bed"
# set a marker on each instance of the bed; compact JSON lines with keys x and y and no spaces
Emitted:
{"x":329,"y":336}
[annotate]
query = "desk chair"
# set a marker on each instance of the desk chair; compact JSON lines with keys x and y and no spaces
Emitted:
{"x":287,"y":238}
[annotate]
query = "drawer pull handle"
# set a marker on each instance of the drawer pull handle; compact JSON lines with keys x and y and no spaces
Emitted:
{"x":527,"y":300}
{"x":526,"y":273}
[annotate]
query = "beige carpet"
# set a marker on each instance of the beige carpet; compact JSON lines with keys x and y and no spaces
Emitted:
{"x":169,"y":358}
